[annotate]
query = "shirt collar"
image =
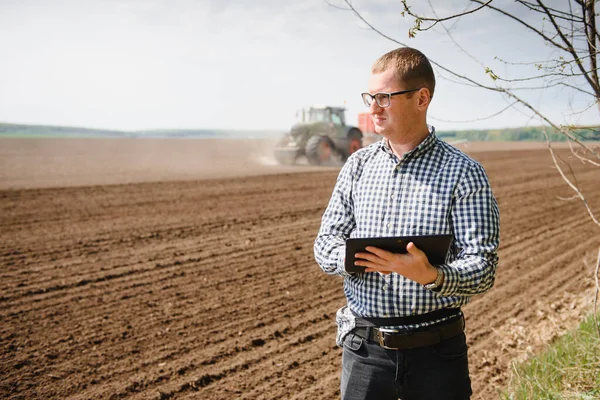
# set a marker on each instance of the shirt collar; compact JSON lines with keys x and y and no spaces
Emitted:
{"x":421,"y":149}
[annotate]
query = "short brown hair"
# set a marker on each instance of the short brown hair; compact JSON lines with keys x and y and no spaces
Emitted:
{"x":411,"y":66}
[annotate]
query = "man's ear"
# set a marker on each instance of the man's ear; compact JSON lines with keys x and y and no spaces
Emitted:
{"x":424,"y":98}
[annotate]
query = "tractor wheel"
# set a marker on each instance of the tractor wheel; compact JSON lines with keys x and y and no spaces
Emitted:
{"x":319,"y":150}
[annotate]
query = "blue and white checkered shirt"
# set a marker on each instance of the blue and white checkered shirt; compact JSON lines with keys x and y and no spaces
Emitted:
{"x":433,"y":189}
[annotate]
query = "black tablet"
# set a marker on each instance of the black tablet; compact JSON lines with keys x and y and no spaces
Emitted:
{"x":435,"y":247}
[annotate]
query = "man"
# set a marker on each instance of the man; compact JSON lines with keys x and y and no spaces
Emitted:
{"x":402,"y":330}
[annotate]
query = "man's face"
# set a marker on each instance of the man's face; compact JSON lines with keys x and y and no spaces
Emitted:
{"x":400,"y":115}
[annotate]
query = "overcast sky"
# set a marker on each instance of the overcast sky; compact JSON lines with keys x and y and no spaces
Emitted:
{"x":241,"y":64}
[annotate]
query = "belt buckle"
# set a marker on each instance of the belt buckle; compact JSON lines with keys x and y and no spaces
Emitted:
{"x":381,"y":334}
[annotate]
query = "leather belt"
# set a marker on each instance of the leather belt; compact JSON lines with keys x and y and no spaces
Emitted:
{"x":437,"y":315}
{"x":410,"y":339}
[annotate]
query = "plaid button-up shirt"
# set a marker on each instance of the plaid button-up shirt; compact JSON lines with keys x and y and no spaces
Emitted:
{"x":434,"y":189}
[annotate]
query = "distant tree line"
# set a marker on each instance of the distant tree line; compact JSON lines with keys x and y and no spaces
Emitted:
{"x":530,"y":133}
{"x":47,"y":131}
{"x":22,"y":130}
{"x":513,"y":134}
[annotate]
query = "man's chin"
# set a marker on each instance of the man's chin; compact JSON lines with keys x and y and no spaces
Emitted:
{"x":382,"y":132}
{"x":381,"y":129}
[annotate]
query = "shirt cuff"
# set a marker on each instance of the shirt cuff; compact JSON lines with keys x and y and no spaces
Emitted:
{"x":451,"y":280}
{"x":341,"y":259}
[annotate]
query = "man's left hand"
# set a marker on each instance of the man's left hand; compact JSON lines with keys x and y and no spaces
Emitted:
{"x":413,"y":265}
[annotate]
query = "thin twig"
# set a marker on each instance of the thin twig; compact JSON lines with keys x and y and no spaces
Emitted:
{"x":436,"y":20}
{"x":596,"y":294}
{"x":571,"y":50}
{"x":545,"y":76}
{"x":334,"y":6}
{"x":571,"y":185}
{"x":543,"y":117}
{"x":583,"y":159}
{"x":574,"y":197}
{"x":477,"y":119}
{"x":522,"y":22}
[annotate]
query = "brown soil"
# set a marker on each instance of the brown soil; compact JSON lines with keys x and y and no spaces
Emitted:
{"x":208,"y":288}
{"x":37,"y":163}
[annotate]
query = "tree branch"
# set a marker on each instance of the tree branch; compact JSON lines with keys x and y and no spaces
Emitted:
{"x":551,"y":85}
{"x":583,"y":159}
{"x":437,"y":20}
{"x":531,"y":78}
{"x":540,"y":33}
{"x":570,"y":16}
{"x":552,"y":124}
{"x":477,"y":119}
{"x":595,"y":86}
{"x":571,"y":185}
{"x":334,"y":6}
{"x":575,"y":88}
{"x":592,"y":36}
{"x":475,"y":83}
{"x":491,"y":88}
{"x":565,"y":15}
{"x":452,"y":37}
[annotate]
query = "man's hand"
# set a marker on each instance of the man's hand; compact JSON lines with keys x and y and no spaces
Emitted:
{"x":413,"y":265}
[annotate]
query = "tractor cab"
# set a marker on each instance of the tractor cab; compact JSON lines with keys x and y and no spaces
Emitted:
{"x":334,"y":115}
{"x":320,"y":134}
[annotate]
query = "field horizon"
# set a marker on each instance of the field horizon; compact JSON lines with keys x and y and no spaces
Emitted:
{"x":59,"y":162}
{"x":525,"y":133}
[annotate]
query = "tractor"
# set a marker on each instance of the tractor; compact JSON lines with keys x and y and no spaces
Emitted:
{"x":321,"y":135}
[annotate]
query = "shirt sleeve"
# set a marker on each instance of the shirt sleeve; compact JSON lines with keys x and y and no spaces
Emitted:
{"x":336,"y":224}
{"x":476,"y":226}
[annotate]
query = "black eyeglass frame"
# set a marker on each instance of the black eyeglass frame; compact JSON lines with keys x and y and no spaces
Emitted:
{"x":389,"y":96}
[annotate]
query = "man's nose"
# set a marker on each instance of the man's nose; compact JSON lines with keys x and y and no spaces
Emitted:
{"x":375,"y":108}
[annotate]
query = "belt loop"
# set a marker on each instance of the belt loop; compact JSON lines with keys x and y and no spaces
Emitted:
{"x":371,"y":334}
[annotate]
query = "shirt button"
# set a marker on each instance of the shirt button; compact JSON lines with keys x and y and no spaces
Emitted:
{"x":385,"y":287}
{"x":392,"y":196}
{"x":389,"y":225}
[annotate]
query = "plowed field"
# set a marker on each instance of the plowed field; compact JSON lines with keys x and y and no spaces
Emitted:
{"x":208,"y":288}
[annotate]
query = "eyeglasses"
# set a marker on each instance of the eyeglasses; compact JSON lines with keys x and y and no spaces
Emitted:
{"x":383,"y":99}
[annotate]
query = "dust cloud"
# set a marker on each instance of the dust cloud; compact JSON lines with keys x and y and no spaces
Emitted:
{"x":39,"y":163}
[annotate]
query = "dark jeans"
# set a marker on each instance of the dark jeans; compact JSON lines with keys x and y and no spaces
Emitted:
{"x":438,"y":372}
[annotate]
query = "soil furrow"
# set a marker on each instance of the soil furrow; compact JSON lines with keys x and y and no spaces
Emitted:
{"x":209,"y":289}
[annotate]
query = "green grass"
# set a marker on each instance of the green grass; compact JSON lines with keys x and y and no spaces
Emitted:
{"x":568,"y":369}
